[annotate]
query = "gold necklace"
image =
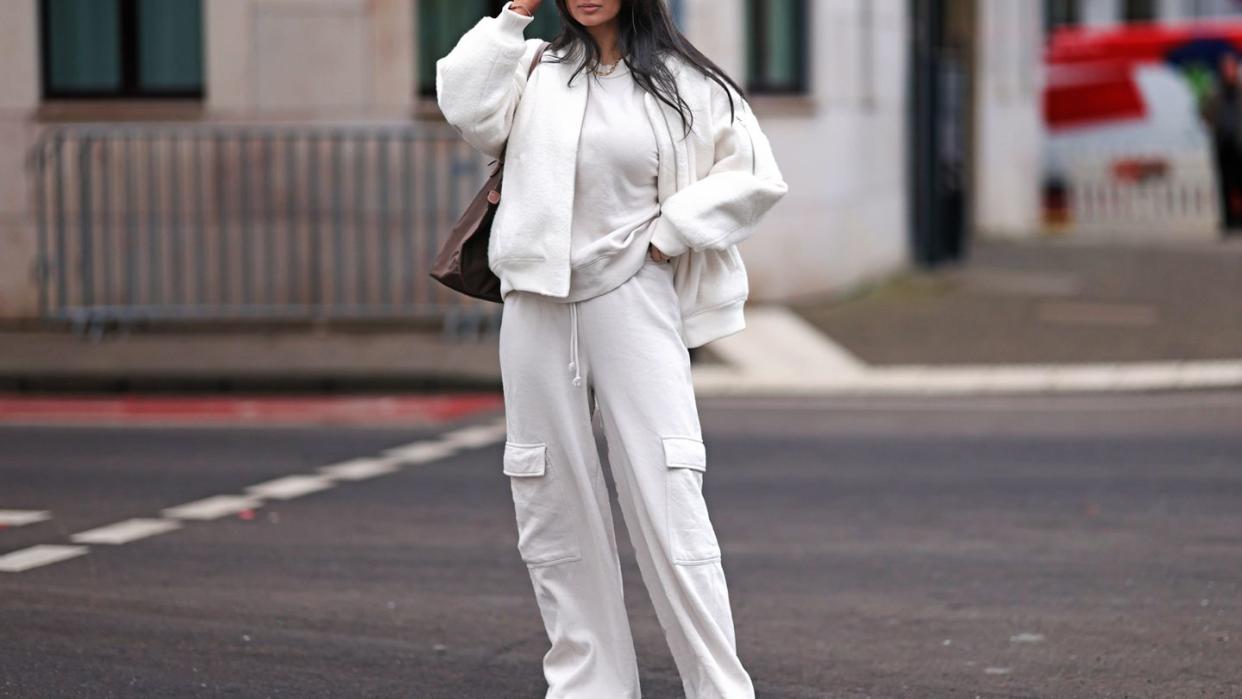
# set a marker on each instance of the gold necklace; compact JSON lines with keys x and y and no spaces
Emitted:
{"x":611,"y":67}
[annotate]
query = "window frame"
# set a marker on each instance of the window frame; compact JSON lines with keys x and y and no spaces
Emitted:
{"x":130,"y":86}
{"x":1061,"y":13}
{"x":1139,"y":11}
{"x":428,"y":91}
{"x":678,"y":9}
{"x":756,"y":53}
{"x":491,"y":8}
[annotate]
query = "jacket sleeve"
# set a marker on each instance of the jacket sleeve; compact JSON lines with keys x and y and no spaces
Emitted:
{"x":479,"y":82}
{"x":723,"y":207}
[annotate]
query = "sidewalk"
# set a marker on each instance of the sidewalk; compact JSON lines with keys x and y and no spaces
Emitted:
{"x":1049,"y":302}
{"x":1017,"y":317}
{"x":247,"y":360}
{"x":1030,"y":317}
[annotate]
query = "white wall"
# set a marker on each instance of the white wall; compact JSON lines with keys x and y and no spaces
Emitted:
{"x":310,"y":58}
{"x":265,"y":60}
{"x":1174,"y":10}
{"x":842,"y":148}
{"x":1009,"y":124}
{"x":19,"y":70}
{"x":1109,"y":12}
{"x":1099,"y":12}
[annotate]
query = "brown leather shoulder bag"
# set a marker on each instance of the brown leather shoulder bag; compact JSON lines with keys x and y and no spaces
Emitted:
{"x":461,"y":264}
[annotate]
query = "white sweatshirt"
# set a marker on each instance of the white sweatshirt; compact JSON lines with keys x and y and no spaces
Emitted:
{"x":615,"y":197}
{"x":713,"y":184}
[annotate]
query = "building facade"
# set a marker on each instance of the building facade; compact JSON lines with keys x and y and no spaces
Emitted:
{"x":833,"y":81}
{"x":1105,"y":13}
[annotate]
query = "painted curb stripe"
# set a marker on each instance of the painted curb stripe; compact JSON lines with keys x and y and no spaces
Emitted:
{"x":242,"y":410}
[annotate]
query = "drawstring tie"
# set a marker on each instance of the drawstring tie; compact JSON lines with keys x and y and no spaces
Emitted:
{"x":573,"y":343}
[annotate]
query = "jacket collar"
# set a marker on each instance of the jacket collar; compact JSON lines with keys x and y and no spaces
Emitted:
{"x":674,"y":62}
{"x":566,"y":121}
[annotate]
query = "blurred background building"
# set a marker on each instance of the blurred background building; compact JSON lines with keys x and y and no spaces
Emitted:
{"x":1111,"y":12}
{"x":285,"y":158}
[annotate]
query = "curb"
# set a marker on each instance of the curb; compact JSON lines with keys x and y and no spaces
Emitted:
{"x":780,"y":354}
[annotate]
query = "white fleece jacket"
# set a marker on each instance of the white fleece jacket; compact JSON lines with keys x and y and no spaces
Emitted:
{"x":714,"y":185}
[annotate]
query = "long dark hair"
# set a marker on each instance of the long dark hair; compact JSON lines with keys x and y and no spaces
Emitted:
{"x":645,"y":33}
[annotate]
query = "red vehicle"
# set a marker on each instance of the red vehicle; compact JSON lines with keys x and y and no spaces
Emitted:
{"x":1126,"y":145}
{"x":1091,"y":71}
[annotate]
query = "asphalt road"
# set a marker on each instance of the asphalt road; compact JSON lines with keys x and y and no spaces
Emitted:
{"x":1038,"y":547}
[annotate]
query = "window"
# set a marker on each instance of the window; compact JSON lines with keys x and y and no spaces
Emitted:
{"x":1060,"y":13}
{"x":776,"y":46}
{"x":442,"y":22}
{"x":678,"y":10}
{"x":1139,"y":10}
{"x":122,"y":48}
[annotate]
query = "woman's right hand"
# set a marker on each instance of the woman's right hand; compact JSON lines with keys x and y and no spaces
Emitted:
{"x":480,"y":104}
{"x":531,"y":5}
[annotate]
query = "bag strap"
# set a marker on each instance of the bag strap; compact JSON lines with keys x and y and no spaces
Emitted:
{"x":534,"y":63}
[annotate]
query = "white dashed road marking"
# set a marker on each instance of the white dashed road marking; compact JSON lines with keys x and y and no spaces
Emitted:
{"x":475,"y":435}
{"x":217,"y":506}
{"x":36,"y":556}
{"x":213,"y":507}
{"x":127,"y":531}
{"x":18,"y":518}
{"x":421,"y":452}
{"x":360,"y":469}
{"x":290,"y":487}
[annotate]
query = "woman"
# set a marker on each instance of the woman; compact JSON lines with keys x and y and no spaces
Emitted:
{"x":633,"y":168}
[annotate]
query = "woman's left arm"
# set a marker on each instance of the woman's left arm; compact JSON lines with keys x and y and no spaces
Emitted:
{"x":723,"y":207}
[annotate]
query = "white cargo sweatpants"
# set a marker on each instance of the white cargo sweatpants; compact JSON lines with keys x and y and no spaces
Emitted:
{"x":623,"y":350}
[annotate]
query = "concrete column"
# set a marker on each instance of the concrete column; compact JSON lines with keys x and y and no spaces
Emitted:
{"x":1099,"y":12}
{"x":229,"y":59}
{"x":841,"y":147}
{"x":19,"y":74}
{"x":392,"y":56}
{"x":716,"y":27}
{"x":1191,"y":9}
{"x":1173,"y":10}
{"x":1008,"y":122}
{"x":19,"y":56}
{"x":310,"y":58}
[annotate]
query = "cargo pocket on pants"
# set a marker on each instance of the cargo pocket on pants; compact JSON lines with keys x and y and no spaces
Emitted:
{"x":546,"y":534}
{"x":690,"y":534}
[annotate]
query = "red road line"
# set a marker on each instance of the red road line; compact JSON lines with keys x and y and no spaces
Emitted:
{"x":352,"y":410}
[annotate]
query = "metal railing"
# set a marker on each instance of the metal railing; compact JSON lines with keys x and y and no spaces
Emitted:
{"x":1128,"y":189}
{"x":157,"y":221}
{"x":1172,"y":192}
